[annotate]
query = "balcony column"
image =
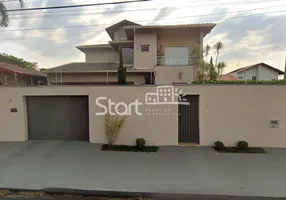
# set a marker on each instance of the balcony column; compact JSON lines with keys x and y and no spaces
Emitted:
{"x":201,"y":40}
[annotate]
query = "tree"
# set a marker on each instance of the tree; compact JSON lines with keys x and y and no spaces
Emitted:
{"x":218,"y":46}
{"x":220,"y":67}
{"x":201,"y":66}
{"x":112,"y":126}
{"x":208,"y":70}
{"x":121,"y":73}
{"x":5,"y":58}
{"x":207,"y":51}
{"x":4,"y":14}
{"x":201,"y":69}
{"x":212,"y":71}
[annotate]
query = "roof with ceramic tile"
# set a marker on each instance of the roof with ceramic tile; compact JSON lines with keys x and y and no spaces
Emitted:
{"x":227,"y":77}
{"x":20,"y":71}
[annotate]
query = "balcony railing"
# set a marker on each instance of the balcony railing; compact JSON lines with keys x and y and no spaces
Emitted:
{"x":176,"y":60}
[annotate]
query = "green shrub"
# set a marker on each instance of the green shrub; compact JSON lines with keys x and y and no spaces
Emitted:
{"x":242,"y":145}
{"x":107,"y":147}
{"x":140,"y":142}
{"x":272,"y":82}
{"x":112,"y":126}
{"x":219,"y":145}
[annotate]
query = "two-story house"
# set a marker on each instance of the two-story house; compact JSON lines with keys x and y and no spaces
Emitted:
{"x":152,"y":54}
{"x":259,"y":72}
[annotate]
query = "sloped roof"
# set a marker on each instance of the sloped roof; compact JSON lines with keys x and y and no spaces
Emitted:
{"x":227,"y":77}
{"x":20,"y":71}
{"x":88,"y":68}
{"x":238,"y":70}
{"x":206,"y":27}
{"x":255,"y":65}
{"x":126,"y":24}
{"x":82,"y":67}
{"x":173,"y":26}
{"x":110,"y":30}
{"x":92,"y":46}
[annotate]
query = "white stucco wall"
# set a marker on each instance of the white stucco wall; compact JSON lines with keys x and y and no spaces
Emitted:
{"x":53,"y":79}
{"x":267,"y":74}
{"x":145,"y":60}
{"x":169,"y":74}
{"x":219,"y":118}
{"x":153,"y":128}
{"x":247,"y":74}
{"x":234,"y":74}
{"x":261,"y":73}
{"x":13,"y":125}
{"x":101,"y":55}
{"x":179,"y":37}
{"x":248,"y":120}
{"x":120,"y":34}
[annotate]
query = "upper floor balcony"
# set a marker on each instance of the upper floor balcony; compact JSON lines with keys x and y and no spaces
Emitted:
{"x":176,"y":60}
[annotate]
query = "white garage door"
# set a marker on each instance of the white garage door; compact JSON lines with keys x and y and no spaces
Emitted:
{"x":176,"y":55}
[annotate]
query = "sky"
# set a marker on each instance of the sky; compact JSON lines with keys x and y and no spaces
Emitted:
{"x":252,"y":31}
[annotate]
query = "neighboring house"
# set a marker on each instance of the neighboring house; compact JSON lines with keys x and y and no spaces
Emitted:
{"x":13,"y":75}
{"x":227,"y":77}
{"x":152,"y":55}
{"x":259,"y":72}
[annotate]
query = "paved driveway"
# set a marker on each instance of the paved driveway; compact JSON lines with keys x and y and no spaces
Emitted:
{"x":190,"y":170}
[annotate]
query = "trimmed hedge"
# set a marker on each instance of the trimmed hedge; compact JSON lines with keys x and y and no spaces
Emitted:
{"x":107,"y":147}
{"x":238,"y":150}
{"x":219,"y":145}
{"x":273,"y":82}
{"x":140,"y":142}
{"x":243,"y":145}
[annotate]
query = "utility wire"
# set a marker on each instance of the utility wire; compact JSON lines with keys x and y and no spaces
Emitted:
{"x":77,"y":6}
{"x":211,"y":19}
{"x":48,"y":15}
{"x":70,"y":13}
{"x":7,"y":1}
{"x":101,"y":25}
{"x":222,"y":3}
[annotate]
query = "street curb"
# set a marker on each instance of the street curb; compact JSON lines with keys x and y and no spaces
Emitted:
{"x":149,"y":195}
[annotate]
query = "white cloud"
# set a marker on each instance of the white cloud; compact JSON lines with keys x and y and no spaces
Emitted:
{"x":250,"y":39}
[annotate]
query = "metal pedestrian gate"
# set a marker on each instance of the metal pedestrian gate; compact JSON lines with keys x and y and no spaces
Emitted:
{"x":189,"y":120}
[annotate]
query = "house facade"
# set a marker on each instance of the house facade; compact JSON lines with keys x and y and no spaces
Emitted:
{"x":259,"y":72}
{"x":159,"y":54}
{"x":71,"y":113}
{"x":13,"y":75}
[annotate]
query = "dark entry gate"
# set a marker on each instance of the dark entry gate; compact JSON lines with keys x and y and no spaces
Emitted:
{"x":58,"y":118}
{"x":189,"y":120}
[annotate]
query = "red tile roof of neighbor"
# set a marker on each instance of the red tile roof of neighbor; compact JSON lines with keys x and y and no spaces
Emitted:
{"x":20,"y":71}
{"x":227,"y":77}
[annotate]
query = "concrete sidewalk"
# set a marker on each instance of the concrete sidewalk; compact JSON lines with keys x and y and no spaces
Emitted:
{"x":186,"y":170}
